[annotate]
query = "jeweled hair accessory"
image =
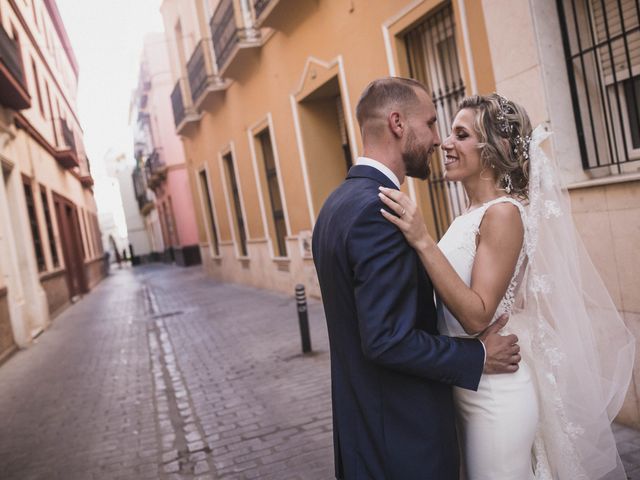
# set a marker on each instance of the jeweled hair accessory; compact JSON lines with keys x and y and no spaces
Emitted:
{"x":504,"y":125}
{"x":521,"y":146}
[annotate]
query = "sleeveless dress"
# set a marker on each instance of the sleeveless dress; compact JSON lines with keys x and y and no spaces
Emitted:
{"x":497,"y":423}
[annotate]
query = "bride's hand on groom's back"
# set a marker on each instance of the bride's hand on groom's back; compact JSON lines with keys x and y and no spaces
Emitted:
{"x":502,"y":352}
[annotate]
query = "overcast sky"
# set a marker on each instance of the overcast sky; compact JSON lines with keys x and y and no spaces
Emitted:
{"x":106,"y":37}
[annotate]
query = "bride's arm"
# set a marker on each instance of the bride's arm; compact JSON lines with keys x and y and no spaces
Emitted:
{"x":499,"y":243}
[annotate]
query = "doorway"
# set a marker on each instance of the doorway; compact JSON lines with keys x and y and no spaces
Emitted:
{"x":69,"y":226}
{"x":326,"y":140}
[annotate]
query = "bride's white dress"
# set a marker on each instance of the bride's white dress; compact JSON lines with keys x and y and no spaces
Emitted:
{"x":497,"y":422}
{"x":552,"y":419}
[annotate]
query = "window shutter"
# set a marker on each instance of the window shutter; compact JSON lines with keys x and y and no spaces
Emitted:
{"x":614,"y":24}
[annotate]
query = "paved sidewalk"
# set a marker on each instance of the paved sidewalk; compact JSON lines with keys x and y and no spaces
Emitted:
{"x":162,"y":373}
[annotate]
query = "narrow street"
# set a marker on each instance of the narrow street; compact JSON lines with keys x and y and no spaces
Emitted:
{"x":162,"y":373}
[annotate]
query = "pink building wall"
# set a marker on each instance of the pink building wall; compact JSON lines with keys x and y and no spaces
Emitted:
{"x":177,"y":185}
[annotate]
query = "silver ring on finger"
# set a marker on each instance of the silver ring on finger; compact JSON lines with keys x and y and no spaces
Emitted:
{"x":403,"y":212}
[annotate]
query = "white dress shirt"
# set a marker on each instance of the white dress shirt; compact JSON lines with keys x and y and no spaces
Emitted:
{"x":381,"y":167}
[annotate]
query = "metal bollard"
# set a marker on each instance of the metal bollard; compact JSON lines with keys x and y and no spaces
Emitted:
{"x":303,"y":318}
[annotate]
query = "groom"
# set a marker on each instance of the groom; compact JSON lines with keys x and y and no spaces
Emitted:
{"x":391,"y":372}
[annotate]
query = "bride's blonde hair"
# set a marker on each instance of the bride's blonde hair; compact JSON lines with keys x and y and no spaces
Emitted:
{"x":504,"y":131}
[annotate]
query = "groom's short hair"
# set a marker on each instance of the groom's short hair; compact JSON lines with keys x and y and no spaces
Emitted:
{"x":386,"y":92}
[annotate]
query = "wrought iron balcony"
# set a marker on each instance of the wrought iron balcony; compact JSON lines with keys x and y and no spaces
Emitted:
{"x":67,"y":154}
{"x":202,"y":78}
{"x":145,"y":204}
{"x":156,"y":169}
{"x":86,"y":179}
{"x":228,"y":37}
{"x":183,"y":114}
{"x":13,"y":90}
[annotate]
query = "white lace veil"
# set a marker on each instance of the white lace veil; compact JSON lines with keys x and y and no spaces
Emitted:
{"x":571,"y":334}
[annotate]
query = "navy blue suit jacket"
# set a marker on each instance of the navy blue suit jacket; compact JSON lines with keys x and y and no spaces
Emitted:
{"x":391,"y":373}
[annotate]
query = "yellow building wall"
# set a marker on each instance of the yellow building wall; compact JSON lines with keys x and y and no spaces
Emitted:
{"x":342,"y":43}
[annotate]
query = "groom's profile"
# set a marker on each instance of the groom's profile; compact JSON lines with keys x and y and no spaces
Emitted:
{"x":391,"y":372}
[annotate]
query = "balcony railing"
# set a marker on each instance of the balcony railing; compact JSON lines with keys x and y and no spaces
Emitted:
{"x":224,"y":31}
{"x":67,"y":134}
{"x":232,"y":33}
{"x":145,"y":204}
{"x":202,"y":78}
{"x":156,"y":169}
{"x":13,"y":91}
{"x":197,"y":68}
{"x":67,"y":154}
{"x":177,"y":103}
{"x":182,"y":113}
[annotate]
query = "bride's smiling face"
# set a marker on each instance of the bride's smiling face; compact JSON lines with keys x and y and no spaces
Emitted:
{"x":462,"y":151}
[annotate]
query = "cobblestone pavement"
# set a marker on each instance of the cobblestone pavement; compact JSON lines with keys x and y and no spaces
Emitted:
{"x":162,"y":373}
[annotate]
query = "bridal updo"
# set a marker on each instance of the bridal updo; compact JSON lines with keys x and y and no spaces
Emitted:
{"x":504,"y":131}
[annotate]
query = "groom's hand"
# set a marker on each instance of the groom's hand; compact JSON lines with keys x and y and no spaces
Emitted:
{"x":503,"y":352}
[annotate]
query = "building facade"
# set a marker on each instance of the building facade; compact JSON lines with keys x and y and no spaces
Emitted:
{"x":161,"y":178}
{"x":111,"y":215}
{"x":265,"y":94}
{"x":50,"y":248}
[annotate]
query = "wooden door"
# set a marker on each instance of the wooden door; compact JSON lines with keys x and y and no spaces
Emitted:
{"x":69,"y":227}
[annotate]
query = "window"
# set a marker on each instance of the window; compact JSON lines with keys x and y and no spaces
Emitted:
{"x":232,"y":185}
{"x":47,"y":218}
{"x":602,"y":48}
{"x":208,"y":206}
{"x":35,"y":229}
{"x":432,"y":56}
{"x":53,"y":120}
{"x":36,"y":82}
{"x":278,"y":225}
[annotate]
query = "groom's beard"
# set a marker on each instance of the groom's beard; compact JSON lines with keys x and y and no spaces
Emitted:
{"x":416,"y":158}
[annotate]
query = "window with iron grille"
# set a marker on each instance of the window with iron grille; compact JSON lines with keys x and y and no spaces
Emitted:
{"x":235,"y":200}
{"x":35,"y":228}
{"x":432,"y":56}
{"x":47,"y":217}
{"x":204,"y":188}
{"x":273,"y":185}
{"x":602,"y":47}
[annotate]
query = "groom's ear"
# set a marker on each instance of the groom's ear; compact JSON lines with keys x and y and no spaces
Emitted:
{"x":396,"y":124}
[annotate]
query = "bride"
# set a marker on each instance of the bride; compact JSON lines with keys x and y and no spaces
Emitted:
{"x":515,"y":250}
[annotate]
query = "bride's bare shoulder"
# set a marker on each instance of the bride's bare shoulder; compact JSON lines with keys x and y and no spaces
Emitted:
{"x":503,"y":219}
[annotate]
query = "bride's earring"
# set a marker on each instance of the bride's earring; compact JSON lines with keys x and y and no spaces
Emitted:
{"x":508,"y":185}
